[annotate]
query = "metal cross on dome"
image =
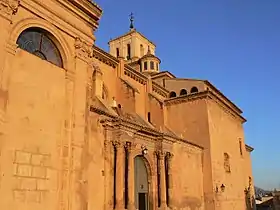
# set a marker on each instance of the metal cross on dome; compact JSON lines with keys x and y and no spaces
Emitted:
{"x":131,"y":20}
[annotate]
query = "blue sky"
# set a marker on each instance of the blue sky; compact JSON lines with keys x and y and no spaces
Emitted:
{"x":235,"y":44}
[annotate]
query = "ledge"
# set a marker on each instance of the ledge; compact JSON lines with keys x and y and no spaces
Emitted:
{"x":237,"y":109}
{"x":92,"y":12}
{"x":249,"y":148}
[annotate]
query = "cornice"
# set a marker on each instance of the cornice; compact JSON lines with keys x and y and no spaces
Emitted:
{"x":130,"y":33}
{"x":104,"y":57}
{"x":149,"y":57}
{"x":226,"y":107}
{"x":147,"y":132}
{"x":163,"y":73}
{"x":237,"y":109}
{"x":44,"y":11}
{"x":249,"y":148}
{"x":205,"y":95}
{"x":185,"y":98}
{"x":91,"y":10}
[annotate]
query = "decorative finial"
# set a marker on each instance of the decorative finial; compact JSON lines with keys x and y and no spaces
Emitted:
{"x":131,"y":21}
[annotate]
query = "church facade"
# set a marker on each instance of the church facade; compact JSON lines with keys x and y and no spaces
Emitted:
{"x":85,"y":129}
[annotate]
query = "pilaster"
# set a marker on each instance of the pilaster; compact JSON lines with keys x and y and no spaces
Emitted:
{"x":9,"y":54}
{"x":108,"y":169}
{"x":8,"y":8}
{"x":155,"y":181}
{"x":163,"y":204}
{"x":170,"y":179}
{"x":120,"y":68}
{"x":119,"y":174}
{"x":131,"y":203}
{"x":77,"y":147}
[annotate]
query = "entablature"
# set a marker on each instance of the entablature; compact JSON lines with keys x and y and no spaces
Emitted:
{"x":78,"y":18}
{"x":150,"y":134}
{"x":87,"y":10}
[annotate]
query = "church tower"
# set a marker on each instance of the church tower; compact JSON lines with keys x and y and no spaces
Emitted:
{"x":136,"y":50}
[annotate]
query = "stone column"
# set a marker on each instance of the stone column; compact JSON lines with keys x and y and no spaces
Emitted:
{"x":131,"y":204}
{"x":170,"y":179}
{"x":119,"y":176}
{"x":156,"y":192}
{"x":108,"y":169}
{"x":162,"y":182}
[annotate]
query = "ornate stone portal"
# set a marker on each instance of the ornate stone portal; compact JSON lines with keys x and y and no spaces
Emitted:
{"x":134,"y":178}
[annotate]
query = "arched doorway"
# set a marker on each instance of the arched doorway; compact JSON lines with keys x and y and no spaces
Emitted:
{"x":141,"y":184}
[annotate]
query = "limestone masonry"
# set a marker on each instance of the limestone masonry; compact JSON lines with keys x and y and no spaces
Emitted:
{"x":83,"y":129}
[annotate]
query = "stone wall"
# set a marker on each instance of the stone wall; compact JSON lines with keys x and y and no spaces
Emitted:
{"x":30,"y":147}
{"x":226,"y":131}
{"x":188,"y":177}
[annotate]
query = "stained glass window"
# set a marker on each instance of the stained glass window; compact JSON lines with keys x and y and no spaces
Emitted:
{"x":38,"y":42}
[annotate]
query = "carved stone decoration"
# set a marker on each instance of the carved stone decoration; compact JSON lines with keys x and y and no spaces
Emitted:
{"x":83,"y":49}
{"x":130,"y":146}
{"x":9,"y":7}
{"x":96,"y":69}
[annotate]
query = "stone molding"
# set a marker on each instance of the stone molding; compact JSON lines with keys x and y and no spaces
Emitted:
{"x":11,"y":48}
{"x":147,"y":133}
{"x":82,"y":49}
{"x":9,"y":7}
{"x":96,"y":69}
{"x":205,"y":95}
{"x":169,"y":155}
{"x":104,"y":57}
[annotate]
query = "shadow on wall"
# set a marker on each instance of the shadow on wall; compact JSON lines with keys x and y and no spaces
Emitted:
{"x":191,"y":203}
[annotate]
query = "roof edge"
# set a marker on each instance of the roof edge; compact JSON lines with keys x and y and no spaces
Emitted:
{"x":132,"y":32}
{"x":162,"y":73}
{"x":223,"y":96}
{"x":249,"y":148}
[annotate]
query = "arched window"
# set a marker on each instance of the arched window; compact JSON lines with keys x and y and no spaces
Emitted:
{"x":194,"y":90}
{"x":172,"y":94}
{"x":117,"y":52}
{"x":40,"y":43}
{"x":128,"y":52}
{"x":183,"y":92}
{"x":226,"y":162}
{"x":145,"y":65}
{"x":149,"y":117}
{"x":152,"y":65}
